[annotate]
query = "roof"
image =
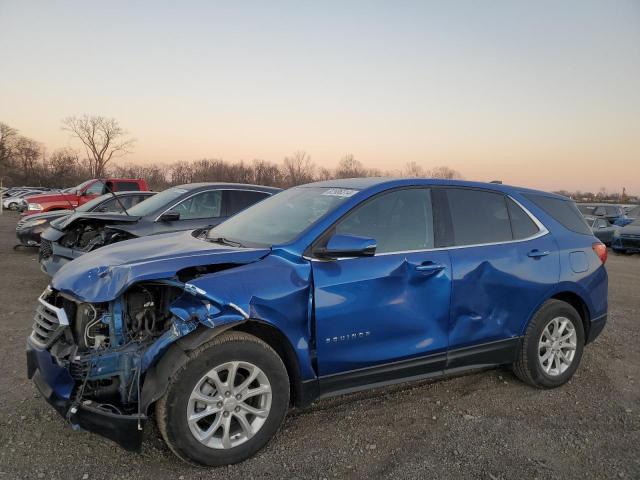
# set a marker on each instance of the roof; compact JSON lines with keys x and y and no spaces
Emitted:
{"x":228,"y":186}
{"x":364,"y":183}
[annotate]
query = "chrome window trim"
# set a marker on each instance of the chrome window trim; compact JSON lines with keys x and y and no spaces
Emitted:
{"x":541,"y":233}
{"x":211,"y":190}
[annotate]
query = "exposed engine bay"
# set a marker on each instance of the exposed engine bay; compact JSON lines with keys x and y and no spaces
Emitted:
{"x":104,"y":343}
{"x":89,"y":235}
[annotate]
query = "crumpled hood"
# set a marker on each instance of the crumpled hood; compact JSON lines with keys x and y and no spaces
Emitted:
{"x":46,"y":215}
{"x":106,"y":218}
{"x":102,"y":275}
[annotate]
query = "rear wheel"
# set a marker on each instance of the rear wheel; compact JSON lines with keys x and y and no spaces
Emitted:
{"x":226,"y":403}
{"x":13,"y":206}
{"x":552,"y":346}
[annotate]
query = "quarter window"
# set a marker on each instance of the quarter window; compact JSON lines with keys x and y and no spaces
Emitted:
{"x":127,"y":186}
{"x":397,"y":221}
{"x":201,"y":205}
{"x":478,"y":217}
{"x":562,"y":211}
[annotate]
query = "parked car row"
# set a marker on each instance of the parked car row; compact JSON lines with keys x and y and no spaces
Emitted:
{"x":619,"y":215}
{"x":213,"y":307}
{"x":614,"y":225}
{"x":196,"y":206}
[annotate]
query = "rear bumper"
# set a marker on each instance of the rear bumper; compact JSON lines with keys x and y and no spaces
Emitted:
{"x":56,"y":386}
{"x":596,"y":327}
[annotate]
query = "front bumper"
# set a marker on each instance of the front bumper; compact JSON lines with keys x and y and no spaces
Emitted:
{"x":56,"y":386}
{"x":29,"y":237}
{"x":52,"y":264}
{"x":626,"y":243}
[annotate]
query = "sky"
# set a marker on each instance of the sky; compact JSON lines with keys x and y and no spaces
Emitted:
{"x":543,"y":94}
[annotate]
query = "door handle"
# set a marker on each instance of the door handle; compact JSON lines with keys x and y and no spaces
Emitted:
{"x":429,"y":267}
{"x":535,"y":253}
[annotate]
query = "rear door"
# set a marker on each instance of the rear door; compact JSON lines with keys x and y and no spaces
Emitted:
{"x":383,"y":317}
{"x":503,"y":264}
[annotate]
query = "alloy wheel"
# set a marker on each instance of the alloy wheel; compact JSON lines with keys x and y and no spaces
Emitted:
{"x":229,"y":405}
{"x":557,"y":346}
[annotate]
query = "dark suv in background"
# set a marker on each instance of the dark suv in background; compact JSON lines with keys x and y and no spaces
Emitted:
{"x":195,"y":206}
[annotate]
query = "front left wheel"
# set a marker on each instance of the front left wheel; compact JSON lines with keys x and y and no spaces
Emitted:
{"x":226,"y":402}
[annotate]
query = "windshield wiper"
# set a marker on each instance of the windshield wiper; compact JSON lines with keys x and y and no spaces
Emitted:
{"x":226,"y":241}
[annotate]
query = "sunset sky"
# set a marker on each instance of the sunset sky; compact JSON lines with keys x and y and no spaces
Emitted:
{"x":543,"y":94}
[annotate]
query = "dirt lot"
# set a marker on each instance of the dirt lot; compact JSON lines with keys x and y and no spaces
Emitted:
{"x":482,"y":425}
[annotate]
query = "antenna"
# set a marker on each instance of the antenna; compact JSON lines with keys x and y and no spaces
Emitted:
{"x":110,"y":190}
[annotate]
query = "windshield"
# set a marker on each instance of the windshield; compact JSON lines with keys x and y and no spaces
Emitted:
{"x":281,"y":218}
{"x":160,"y":200}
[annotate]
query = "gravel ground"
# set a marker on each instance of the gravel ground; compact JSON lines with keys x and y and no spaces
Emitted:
{"x":482,"y":425}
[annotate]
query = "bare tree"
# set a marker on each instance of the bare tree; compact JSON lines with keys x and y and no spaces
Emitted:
{"x":8,"y":138}
{"x":298,"y":168}
{"x":103,"y":138}
{"x":412,"y":169}
{"x":27,"y":155}
{"x":444,"y":172}
{"x":349,"y":167}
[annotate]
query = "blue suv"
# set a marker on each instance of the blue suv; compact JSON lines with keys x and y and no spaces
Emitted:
{"x":320,"y":290}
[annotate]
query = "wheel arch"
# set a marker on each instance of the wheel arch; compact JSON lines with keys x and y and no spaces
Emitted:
{"x":573,"y":298}
{"x":157,"y":377}
{"x":277,"y":340}
{"x":577,"y":302}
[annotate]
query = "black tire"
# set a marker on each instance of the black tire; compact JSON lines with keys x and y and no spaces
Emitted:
{"x":13,"y":206}
{"x":527,"y":366}
{"x":172,"y":407}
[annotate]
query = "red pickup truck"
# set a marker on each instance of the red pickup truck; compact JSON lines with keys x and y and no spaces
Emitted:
{"x":70,"y":198}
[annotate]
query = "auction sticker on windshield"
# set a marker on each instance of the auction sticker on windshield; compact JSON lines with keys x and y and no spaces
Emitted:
{"x":340,"y":192}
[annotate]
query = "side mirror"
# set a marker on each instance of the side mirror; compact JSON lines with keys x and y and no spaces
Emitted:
{"x":344,"y":246}
{"x":170,"y":216}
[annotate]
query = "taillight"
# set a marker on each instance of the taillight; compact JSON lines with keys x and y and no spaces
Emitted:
{"x":601,"y":251}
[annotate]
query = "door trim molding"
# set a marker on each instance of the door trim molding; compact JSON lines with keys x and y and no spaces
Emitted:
{"x":489,"y":354}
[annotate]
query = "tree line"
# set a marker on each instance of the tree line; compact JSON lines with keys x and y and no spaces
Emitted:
{"x":24,"y":161}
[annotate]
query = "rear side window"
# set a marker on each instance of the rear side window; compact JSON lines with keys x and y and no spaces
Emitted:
{"x":521,"y":223}
{"x":127,"y":186}
{"x":478,"y":217}
{"x":237,"y":200}
{"x":564,"y":212}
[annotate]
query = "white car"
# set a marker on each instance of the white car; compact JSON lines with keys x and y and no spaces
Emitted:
{"x":12,"y":203}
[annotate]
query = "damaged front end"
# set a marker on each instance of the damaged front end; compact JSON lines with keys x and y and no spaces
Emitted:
{"x":89,"y":235}
{"x":90,"y":360}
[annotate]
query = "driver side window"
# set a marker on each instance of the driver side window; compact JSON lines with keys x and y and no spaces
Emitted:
{"x":202,"y":205}
{"x":95,"y":189}
{"x":398,"y":221}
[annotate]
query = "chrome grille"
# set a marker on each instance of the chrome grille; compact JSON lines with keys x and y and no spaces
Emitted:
{"x":49,"y":323}
{"x":20,"y":224}
{"x":46,"y":250}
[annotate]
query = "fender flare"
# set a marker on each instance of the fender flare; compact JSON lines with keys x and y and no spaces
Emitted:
{"x":157,"y":377}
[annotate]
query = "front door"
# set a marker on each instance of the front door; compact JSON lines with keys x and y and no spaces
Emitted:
{"x":383,"y":317}
{"x":201,"y":210}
